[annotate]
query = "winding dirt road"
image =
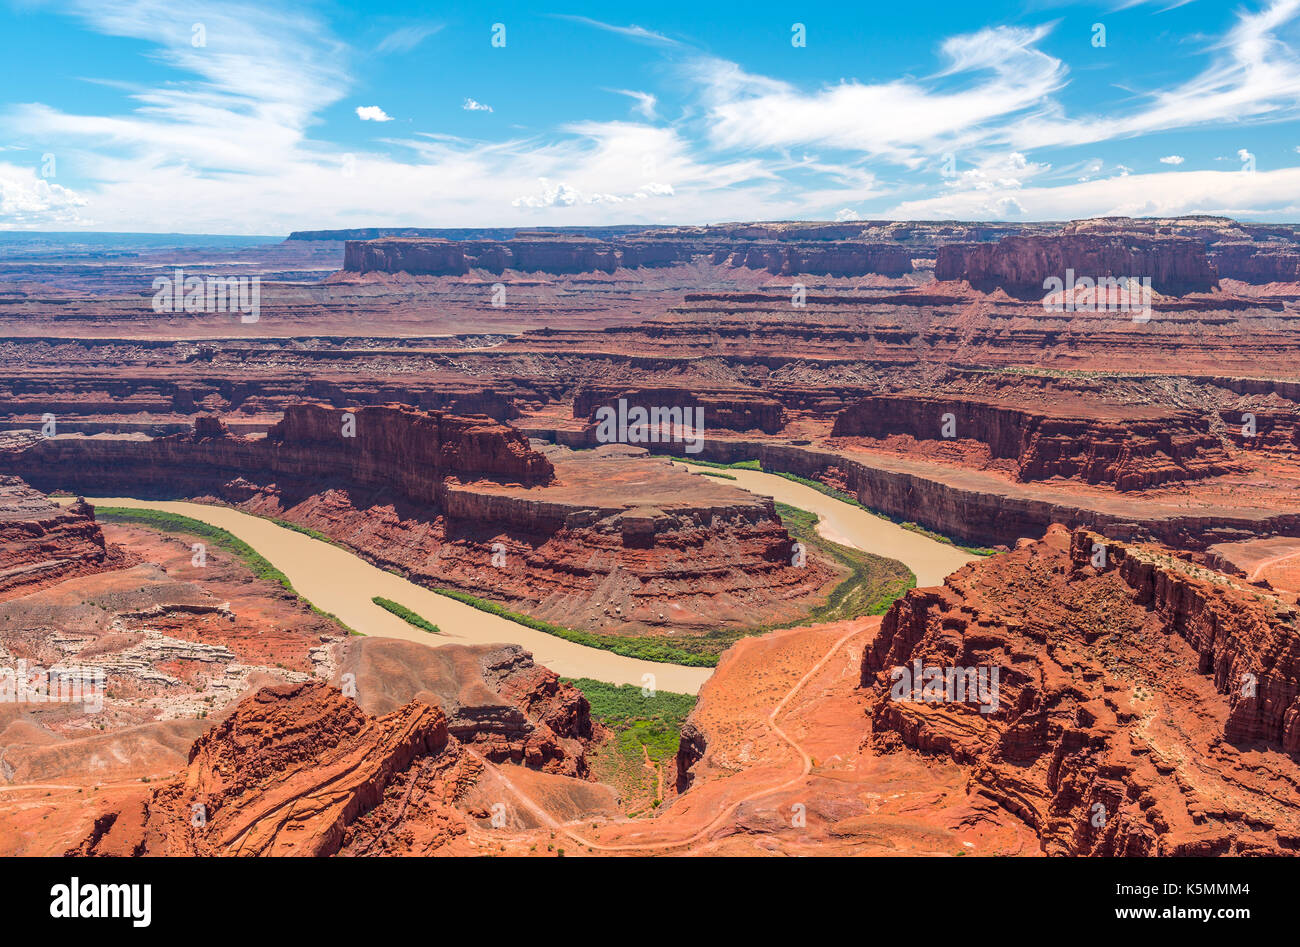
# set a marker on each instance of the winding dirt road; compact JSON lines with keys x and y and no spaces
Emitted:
{"x":805,"y":769}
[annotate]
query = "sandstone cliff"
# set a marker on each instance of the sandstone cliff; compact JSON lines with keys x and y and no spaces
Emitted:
{"x":288,"y":773}
{"x":1021,"y":264}
{"x":1131,"y":449}
{"x":731,"y":409}
{"x":42,"y":543}
{"x":403,"y":451}
{"x":1122,"y":723}
{"x":560,"y":254}
{"x":466,"y":503}
{"x":497,"y":700}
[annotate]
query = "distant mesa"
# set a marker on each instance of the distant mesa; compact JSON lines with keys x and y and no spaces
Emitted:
{"x":1179,"y":255}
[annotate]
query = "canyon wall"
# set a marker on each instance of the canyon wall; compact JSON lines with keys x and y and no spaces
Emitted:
{"x":992,"y":515}
{"x":1253,"y":263}
{"x":465,"y":503}
{"x":395,"y":449}
{"x":412,"y":449}
{"x":730,"y":409}
{"x":42,"y":543}
{"x":1021,"y":264}
{"x":1131,"y":450}
{"x":1097,"y":735}
{"x":573,"y":254}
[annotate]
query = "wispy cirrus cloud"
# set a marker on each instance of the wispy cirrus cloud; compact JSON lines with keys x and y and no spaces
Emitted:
{"x":237,"y":128}
{"x":405,"y":38}
{"x":1254,"y":75}
{"x":645,"y":102}
{"x":638,"y":33}
{"x":909,"y":119}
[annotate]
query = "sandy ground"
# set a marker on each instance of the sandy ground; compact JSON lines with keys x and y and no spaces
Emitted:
{"x":848,"y":525}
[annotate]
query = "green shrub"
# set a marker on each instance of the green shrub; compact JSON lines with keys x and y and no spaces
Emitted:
{"x":408,"y":616}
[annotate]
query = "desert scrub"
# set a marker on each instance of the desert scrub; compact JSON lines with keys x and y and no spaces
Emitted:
{"x":645,"y":730}
{"x":654,"y":722}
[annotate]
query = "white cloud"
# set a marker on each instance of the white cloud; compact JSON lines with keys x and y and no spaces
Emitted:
{"x":1160,"y":194}
{"x":998,"y":172}
{"x":908,"y":119}
{"x":372,"y":113}
{"x":28,"y":200}
{"x":1172,"y":159}
{"x":645,"y":102}
{"x":631,"y":32}
{"x":1255,"y":75}
{"x":228,"y":131}
{"x":406,"y":38}
{"x":562,"y":195}
{"x":473,"y":106}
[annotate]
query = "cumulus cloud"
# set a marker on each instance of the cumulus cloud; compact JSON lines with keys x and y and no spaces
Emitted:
{"x":1172,"y":159}
{"x":472,"y":106}
{"x":562,"y":195}
{"x":372,"y":113}
{"x":28,"y":200}
{"x":1160,"y":194}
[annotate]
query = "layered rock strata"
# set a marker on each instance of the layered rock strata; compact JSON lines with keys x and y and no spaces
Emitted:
{"x":1140,"y":705}
{"x":288,"y":773}
{"x":1131,"y":449}
{"x":1021,"y":265}
{"x":42,"y":543}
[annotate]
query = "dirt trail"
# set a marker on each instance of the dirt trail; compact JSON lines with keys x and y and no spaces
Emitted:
{"x":804,"y":769}
{"x":1269,"y":563}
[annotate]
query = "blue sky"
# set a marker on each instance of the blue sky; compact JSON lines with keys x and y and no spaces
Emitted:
{"x":265,"y":118}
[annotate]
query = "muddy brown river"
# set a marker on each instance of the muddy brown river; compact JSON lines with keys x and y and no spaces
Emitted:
{"x":340,"y":582}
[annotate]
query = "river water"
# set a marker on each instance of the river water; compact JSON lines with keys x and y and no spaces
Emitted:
{"x":340,"y":582}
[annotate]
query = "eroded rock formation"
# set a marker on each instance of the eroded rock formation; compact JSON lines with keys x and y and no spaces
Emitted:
{"x":288,"y":773}
{"x":735,"y":409}
{"x":497,"y":700}
{"x":42,"y":543}
{"x":1143,"y":705}
{"x":440,"y":497}
{"x":1021,"y":264}
{"x":561,"y":254}
{"x":1131,"y":449}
